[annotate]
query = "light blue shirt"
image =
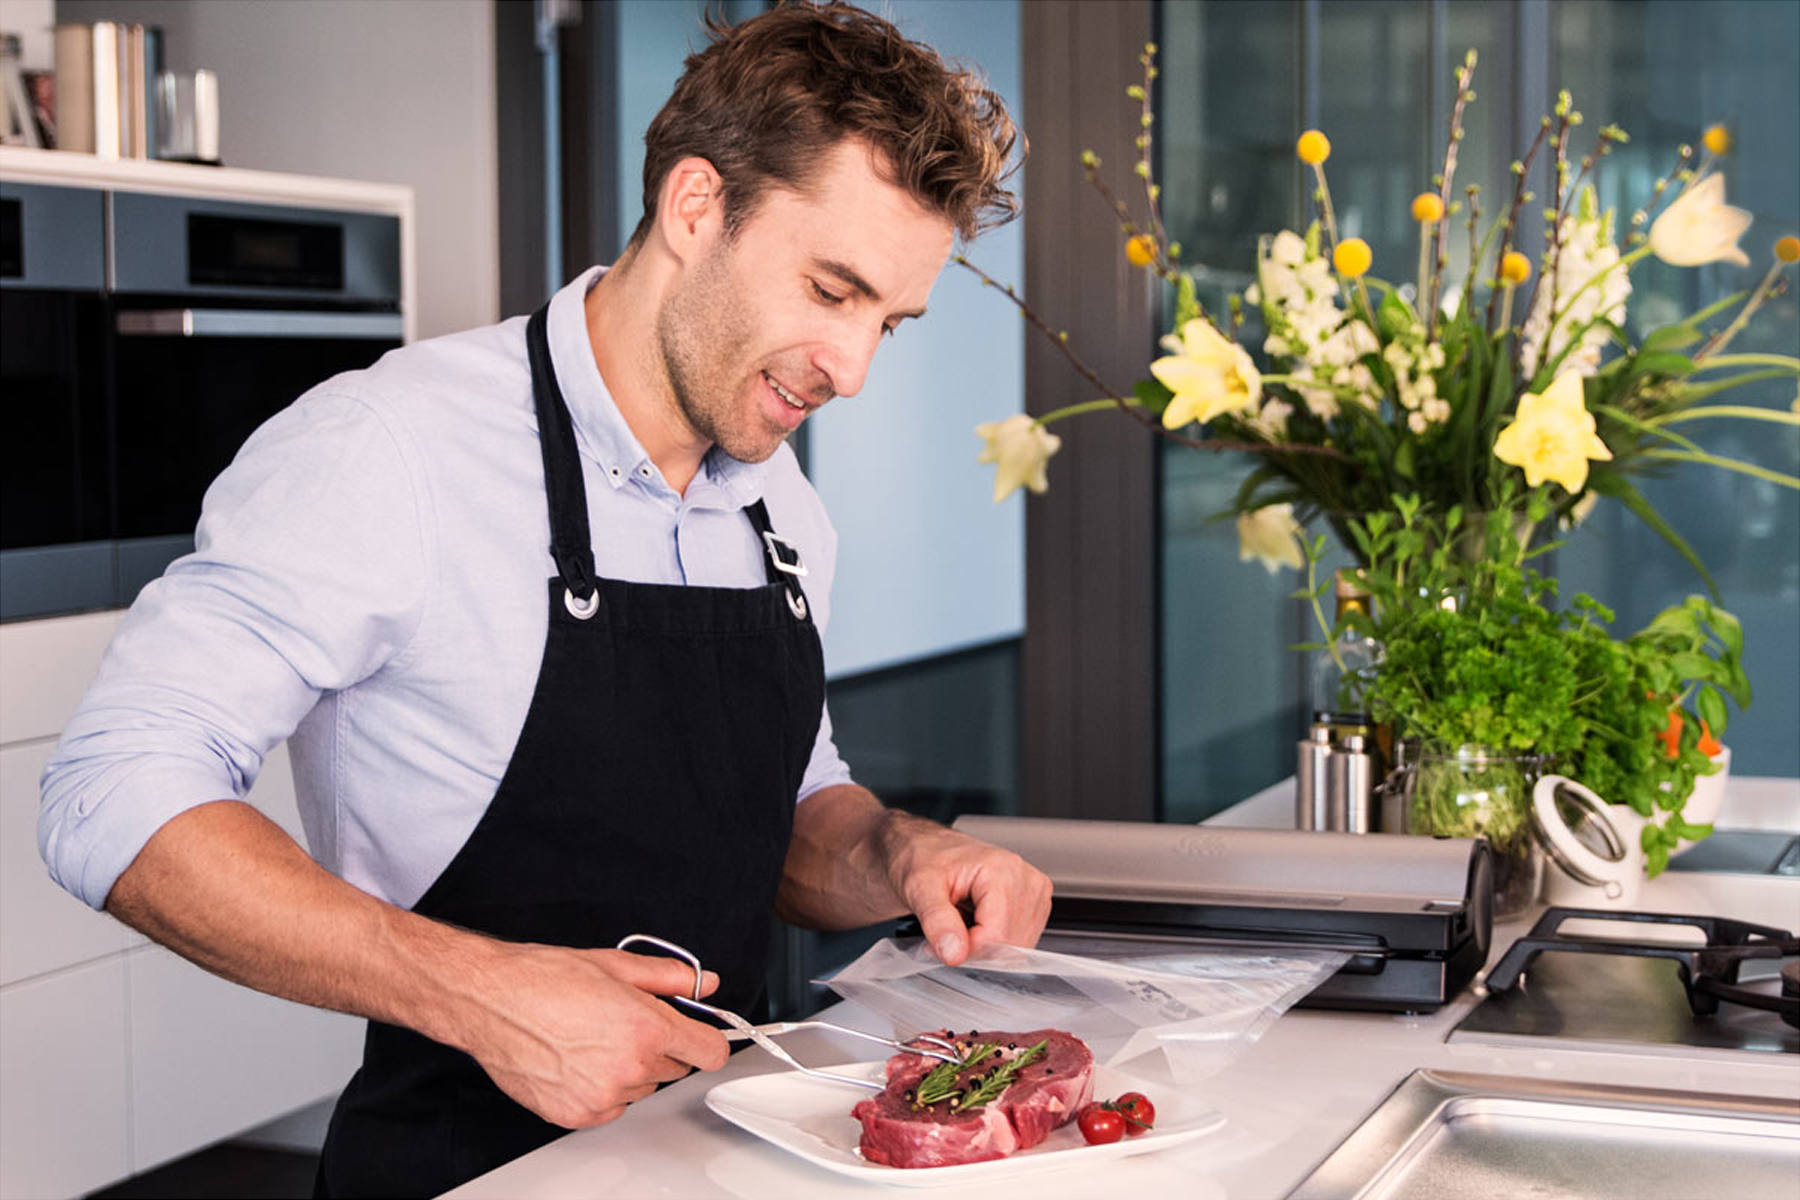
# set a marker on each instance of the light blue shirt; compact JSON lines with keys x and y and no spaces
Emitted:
{"x":370,"y":578}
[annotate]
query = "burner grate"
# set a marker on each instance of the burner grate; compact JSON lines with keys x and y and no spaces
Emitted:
{"x":1709,"y":973}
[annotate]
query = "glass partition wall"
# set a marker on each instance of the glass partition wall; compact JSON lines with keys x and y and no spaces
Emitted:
{"x":1240,"y":79}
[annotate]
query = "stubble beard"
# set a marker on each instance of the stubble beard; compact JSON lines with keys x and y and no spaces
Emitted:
{"x":702,"y":333}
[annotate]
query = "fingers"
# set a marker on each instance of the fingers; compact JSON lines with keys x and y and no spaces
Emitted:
{"x":1010,"y":900}
{"x":694,"y":1044}
{"x":655,"y":973}
{"x":1013,"y":912}
{"x":943,"y":927}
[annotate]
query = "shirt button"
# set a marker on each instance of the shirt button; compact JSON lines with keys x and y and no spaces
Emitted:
{"x":644,"y":471}
{"x":613,"y":471}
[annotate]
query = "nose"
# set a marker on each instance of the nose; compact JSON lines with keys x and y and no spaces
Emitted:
{"x":844,"y":358}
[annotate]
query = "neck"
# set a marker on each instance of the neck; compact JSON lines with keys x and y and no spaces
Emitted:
{"x":621,"y":322}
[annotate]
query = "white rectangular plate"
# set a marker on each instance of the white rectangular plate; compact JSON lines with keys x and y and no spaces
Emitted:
{"x":811,"y":1118}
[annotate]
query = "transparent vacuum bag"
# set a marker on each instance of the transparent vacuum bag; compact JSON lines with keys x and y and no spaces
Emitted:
{"x":1201,"y":1006}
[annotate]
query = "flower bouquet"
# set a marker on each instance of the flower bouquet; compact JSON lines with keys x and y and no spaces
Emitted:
{"x":1479,"y":392}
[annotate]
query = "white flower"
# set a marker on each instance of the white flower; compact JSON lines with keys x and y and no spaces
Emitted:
{"x":1271,"y":536}
{"x":1272,"y":421}
{"x":1582,"y":508}
{"x":1321,"y":402}
{"x":1288,"y":248}
{"x":1587,"y":250}
{"x":1699,"y":227}
{"x":1020,"y":448}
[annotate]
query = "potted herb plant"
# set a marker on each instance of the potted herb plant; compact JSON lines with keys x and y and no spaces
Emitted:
{"x":1491,"y":682}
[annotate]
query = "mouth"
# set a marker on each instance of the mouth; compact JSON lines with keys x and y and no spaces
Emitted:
{"x":792,"y":400}
{"x":789,"y":408}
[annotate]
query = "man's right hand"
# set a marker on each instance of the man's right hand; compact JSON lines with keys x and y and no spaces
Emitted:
{"x":576,"y":1035}
{"x":573,"y":1035}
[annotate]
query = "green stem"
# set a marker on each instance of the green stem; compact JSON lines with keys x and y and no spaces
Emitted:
{"x":1720,"y":340}
{"x":1325,"y":205}
{"x":1700,"y":391}
{"x":1424,"y":259}
{"x":1312,"y":585}
{"x":1785,"y":361}
{"x":1730,"y":410}
{"x":1088,"y":406}
{"x":1295,"y":381}
{"x":1729,"y":464}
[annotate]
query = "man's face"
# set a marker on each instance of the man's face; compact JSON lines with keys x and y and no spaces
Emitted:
{"x":771,"y":323}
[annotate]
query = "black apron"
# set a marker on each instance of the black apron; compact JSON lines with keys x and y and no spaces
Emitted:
{"x":651,"y":791}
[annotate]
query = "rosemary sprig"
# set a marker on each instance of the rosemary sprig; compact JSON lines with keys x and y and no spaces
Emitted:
{"x":1003,"y":1077}
{"x":941,"y":1083}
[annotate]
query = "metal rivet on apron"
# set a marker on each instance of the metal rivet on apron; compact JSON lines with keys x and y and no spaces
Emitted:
{"x":581,"y":610}
{"x":796,"y":604}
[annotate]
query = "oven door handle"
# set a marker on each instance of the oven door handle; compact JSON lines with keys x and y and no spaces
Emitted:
{"x":250,"y":322}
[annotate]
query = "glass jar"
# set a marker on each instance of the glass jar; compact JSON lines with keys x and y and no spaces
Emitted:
{"x":1473,"y":791}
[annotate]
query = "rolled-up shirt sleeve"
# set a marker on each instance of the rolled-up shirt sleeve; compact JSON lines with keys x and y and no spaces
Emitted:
{"x":825,"y":768}
{"x":311,"y":572}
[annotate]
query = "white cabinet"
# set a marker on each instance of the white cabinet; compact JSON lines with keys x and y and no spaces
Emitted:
{"x":118,"y":1055}
{"x":210,"y":1059}
{"x":45,"y":669}
{"x":63,"y":1098}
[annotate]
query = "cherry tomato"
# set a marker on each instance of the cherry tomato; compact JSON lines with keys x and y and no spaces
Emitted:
{"x":1101,"y":1125}
{"x":1140,"y":1114}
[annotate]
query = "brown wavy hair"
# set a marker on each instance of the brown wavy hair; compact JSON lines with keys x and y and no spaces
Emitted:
{"x":768,"y":96}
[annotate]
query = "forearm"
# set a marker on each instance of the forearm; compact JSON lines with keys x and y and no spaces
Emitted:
{"x":837,"y":871}
{"x":227,"y":888}
{"x":853,"y":862}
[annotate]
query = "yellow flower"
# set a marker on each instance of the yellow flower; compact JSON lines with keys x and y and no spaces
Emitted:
{"x":1020,"y":448}
{"x":1717,"y":140}
{"x":1271,"y":536}
{"x":1352,"y":257}
{"x":1515,"y":268}
{"x":1699,"y":227}
{"x":1140,"y":251}
{"x":1313,"y":147}
{"x":1427,"y":207}
{"x":1552,"y":436}
{"x":1212,"y":375}
{"x":1787,"y":249}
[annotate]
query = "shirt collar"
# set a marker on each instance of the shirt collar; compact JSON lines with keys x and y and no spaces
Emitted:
{"x":600,"y":428}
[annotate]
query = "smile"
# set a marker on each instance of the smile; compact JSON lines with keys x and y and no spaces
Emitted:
{"x":786,"y":395}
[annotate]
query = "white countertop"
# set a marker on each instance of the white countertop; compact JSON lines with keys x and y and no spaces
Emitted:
{"x":1288,"y":1101}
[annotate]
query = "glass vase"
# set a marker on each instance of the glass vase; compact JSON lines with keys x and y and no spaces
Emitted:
{"x":1472,"y":791}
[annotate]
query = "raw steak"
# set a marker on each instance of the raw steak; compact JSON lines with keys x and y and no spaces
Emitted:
{"x":1045,"y":1094}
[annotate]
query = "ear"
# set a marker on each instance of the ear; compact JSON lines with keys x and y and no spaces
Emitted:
{"x":690,"y":211}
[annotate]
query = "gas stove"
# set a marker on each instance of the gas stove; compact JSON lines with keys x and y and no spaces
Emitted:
{"x":1737,"y":989}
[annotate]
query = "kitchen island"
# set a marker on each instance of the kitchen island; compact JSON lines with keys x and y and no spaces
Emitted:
{"x":1289,"y":1101}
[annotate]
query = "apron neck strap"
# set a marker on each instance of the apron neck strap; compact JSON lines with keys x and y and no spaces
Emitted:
{"x":781,"y":558}
{"x":571,"y":544}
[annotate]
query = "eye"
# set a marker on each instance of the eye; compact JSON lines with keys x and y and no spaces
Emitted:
{"x":825,"y":297}
{"x":888,"y":330}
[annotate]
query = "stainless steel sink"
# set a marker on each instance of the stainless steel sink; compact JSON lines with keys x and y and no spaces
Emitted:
{"x":1444,"y":1134}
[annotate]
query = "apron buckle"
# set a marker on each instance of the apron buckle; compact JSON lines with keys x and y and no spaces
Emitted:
{"x":783,"y":553}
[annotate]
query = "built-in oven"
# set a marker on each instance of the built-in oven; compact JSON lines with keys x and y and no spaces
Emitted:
{"x":130,"y":388}
{"x":55,"y":446}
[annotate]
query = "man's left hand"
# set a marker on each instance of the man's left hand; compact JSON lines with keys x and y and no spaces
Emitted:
{"x":943,"y":875}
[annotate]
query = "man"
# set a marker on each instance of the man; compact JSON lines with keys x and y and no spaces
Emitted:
{"x":370,"y":578}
